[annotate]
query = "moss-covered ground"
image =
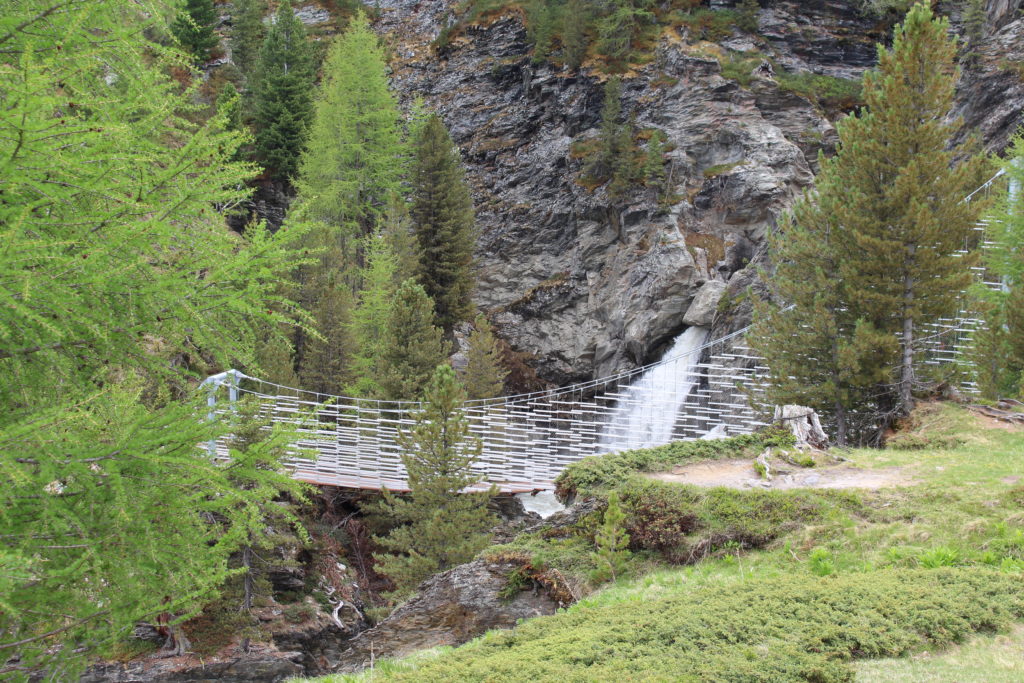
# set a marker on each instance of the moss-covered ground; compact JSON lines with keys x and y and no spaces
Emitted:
{"x":918,"y":583}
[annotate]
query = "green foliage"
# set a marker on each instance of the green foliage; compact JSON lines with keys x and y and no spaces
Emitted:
{"x":352,"y":168}
{"x":748,"y":11}
{"x":781,"y":628}
{"x":247,"y":33}
{"x":834,"y":94}
{"x":574,"y":33}
{"x":484,"y":374}
{"x":193,"y":29}
{"x":604,"y":471}
{"x":440,"y":524}
{"x":611,"y":540}
{"x":821,"y":562}
{"x":999,"y":352}
{"x":685,"y":524}
{"x":620,"y":26}
{"x":614,"y":158}
{"x":369,"y":321}
{"x":119,"y":282}
{"x":412,"y":347}
{"x":939,"y":557}
{"x":975,"y":17}
{"x":444,"y":223}
{"x":327,"y":364}
{"x":873,"y":254}
{"x":282,"y":88}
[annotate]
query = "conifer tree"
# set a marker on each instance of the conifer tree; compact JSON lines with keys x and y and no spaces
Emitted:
{"x":327,"y":359}
{"x":114,"y":301}
{"x":354,"y":163}
{"x":540,"y":28}
{"x":439,"y":524}
{"x":282,"y":86}
{"x":443,"y":220}
{"x":975,"y":17}
{"x":904,"y":212}
{"x":873,"y":255}
{"x":817,"y":353}
{"x":613,"y":160}
{"x":484,"y":374}
{"x":274,"y":358}
{"x":999,"y":346}
{"x":748,"y":10}
{"x":229,"y":105}
{"x":612,"y":543}
{"x":371,"y":315}
{"x":412,"y":347}
{"x":247,"y":33}
{"x":575,"y":20}
{"x":194,"y":29}
{"x":621,"y":26}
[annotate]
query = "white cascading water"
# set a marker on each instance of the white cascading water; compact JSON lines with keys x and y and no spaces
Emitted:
{"x":648,"y":413}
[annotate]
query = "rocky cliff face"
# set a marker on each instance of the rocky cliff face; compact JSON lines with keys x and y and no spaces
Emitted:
{"x":588,"y":285}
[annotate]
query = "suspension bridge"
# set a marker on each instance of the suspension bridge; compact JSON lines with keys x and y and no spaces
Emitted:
{"x":701,"y":388}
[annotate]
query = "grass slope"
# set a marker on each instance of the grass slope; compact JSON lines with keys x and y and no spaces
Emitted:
{"x":838,"y":577}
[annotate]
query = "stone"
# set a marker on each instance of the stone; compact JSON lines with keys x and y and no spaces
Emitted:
{"x":704,"y":305}
{"x":449,"y":609}
{"x":261,"y":666}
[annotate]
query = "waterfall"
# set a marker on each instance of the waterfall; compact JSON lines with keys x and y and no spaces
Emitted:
{"x":647,"y":414}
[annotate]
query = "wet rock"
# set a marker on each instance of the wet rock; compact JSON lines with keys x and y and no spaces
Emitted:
{"x":449,"y":609}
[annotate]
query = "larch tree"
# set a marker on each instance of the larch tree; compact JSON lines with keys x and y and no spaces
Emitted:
{"x":484,"y":374}
{"x":120,"y":284}
{"x":368,"y":328}
{"x":282,"y":89}
{"x":327,"y":359}
{"x":193,"y":29}
{"x":354,"y":164}
{"x":247,"y":32}
{"x":438,"y":525}
{"x":621,"y":26}
{"x":412,"y":346}
{"x":575,"y":20}
{"x":903,"y":215}
{"x":444,"y":223}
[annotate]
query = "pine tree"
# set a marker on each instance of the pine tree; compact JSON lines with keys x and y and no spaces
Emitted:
{"x":903,"y":208}
{"x":194,"y":29}
{"x":612,"y":541}
{"x":748,"y":11}
{"x":613,"y":160}
{"x":975,"y":17}
{"x":247,"y":33}
{"x":282,"y":86}
{"x":412,"y":347}
{"x":540,"y":28}
{"x":575,"y":20}
{"x":484,"y":374}
{"x":229,"y":106}
{"x":121,"y":284}
{"x":439,"y":524}
{"x":443,"y":220}
{"x":873,"y":255}
{"x":370,"y":318}
{"x":817,"y":352}
{"x":353,"y":166}
{"x":275,"y":357}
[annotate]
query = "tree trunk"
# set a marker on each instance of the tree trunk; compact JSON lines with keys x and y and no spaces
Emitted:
{"x":841,"y":427}
{"x":247,"y":581}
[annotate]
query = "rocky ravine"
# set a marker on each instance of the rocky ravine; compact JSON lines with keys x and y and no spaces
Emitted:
{"x":589,"y":286}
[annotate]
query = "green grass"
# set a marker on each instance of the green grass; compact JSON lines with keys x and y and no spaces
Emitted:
{"x":874,"y":584}
{"x":984,"y":659}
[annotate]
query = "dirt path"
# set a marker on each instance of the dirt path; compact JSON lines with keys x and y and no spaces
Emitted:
{"x":740,"y":474}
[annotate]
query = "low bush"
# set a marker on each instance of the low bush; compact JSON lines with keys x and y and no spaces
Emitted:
{"x":687,"y":523}
{"x":604,"y":471}
{"x":796,"y":627}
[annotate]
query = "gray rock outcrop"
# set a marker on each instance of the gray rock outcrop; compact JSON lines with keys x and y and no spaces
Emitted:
{"x":449,"y":609}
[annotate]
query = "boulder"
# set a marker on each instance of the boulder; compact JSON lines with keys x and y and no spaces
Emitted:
{"x":449,"y":609}
{"x":702,"y":310}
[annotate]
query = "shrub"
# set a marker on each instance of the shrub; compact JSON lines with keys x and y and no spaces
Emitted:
{"x":821,"y":562}
{"x":939,"y":557}
{"x":783,"y":628}
{"x":604,"y":471}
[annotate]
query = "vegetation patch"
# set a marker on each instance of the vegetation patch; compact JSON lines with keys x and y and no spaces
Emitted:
{"x":782,"y":628}
{"x":606,"y":471}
